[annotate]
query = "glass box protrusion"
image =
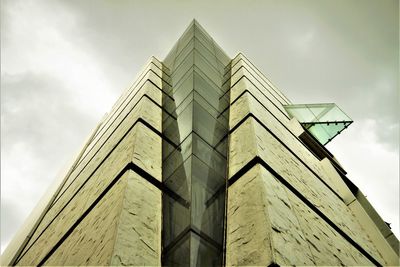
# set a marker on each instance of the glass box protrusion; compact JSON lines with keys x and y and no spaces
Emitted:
{"x":324,"y":121}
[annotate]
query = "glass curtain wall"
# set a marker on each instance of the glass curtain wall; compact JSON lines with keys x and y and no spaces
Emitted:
{"x":194,"y":159}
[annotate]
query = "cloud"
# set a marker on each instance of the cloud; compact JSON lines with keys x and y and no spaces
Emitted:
{"x":303,"y":42}
{"x":37,"y":110}
{"x":39,"y":39}
{"x":374,"y":169}
{"x":10,"y":221}
{"x":39,"y":134}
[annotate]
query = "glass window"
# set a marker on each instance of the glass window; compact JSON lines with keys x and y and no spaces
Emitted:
{"x":178,"y":254}
{"x":202,"y":253}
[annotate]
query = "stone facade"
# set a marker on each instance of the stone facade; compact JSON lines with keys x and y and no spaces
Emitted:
{"x":108,"y":208}
{"x":285,"y":205}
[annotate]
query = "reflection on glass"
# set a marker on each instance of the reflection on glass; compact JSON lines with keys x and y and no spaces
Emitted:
{"x":194,"y":173}
{"x":179,"y":254}
{"x":323,"y":121}
{"x":192,"y":250}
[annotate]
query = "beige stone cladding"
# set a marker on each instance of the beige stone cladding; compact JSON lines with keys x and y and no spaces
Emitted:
{"x":113,"y":192}
{"x":123,"y":229}
{"x":261,"y":131}
{"x":269,"y":224}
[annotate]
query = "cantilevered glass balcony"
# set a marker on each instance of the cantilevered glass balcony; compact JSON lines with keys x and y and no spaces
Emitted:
{"x":323,"y":121}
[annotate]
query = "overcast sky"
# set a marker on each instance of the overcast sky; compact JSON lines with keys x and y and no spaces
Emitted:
{"x":64,"y":63}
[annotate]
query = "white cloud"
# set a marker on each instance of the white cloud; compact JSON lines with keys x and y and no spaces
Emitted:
{"x":303,"y":43}
{"x":372,"y":167}
{"x":36,"y":41}
{"x":50,"y":87}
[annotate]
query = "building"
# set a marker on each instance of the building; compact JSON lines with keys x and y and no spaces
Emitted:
{"x":204,"y":162}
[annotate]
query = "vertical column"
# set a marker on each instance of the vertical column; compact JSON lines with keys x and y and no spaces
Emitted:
{"x":194,"y":168}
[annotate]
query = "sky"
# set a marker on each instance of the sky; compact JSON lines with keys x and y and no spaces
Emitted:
{"x":64,"y":64}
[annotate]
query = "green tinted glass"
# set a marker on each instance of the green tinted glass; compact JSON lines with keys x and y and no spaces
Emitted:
{"x":323,"y":121}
